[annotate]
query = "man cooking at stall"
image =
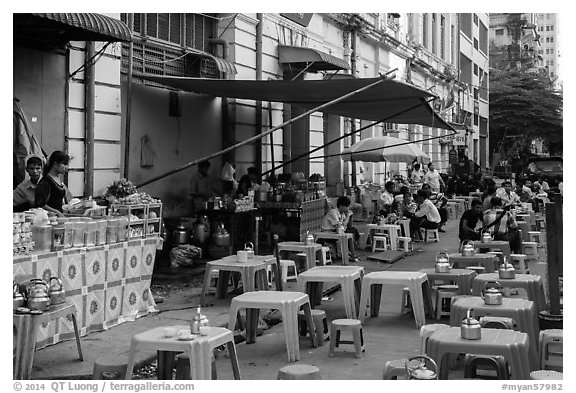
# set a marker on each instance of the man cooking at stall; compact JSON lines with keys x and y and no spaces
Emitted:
{"x":202,"y":186}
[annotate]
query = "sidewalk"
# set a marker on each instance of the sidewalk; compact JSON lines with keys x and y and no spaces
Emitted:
{"x":390,"y":336}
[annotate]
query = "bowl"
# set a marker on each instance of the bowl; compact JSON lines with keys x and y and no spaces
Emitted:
{"x":169,"y":332}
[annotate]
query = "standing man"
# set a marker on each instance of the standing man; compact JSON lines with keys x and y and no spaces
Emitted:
{"x":426,"y":216}
{"x":433,"y":179}
{"x":416,"y":175}
{"x":202,"y":186}
{"x":23,"y":195}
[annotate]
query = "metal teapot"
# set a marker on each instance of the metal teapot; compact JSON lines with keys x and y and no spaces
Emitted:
{"x":486,"y":237}
{"x":506,"y":271}
{"x":340,"y":227}
{"x":468,"y":248}
{"x":198,"y":321}
{"x":17,"y":299}
{"x":470,"y":328}
{"x":309,"y":239}
{"x":492,"y":293}
{"x":221,"y":237}
{"x":442,"y":263}
{"x":38,"y":298}
{"x":57,"y":292}
{"x":249,"y":248}
{"x":416,"y":368}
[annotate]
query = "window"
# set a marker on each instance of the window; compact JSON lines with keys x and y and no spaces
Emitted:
{"x":476,"y":19}
{"x":484,"y":86}
{"x":547,"y":39}
{"x":442,"y":37}
{"x":540,"y":51}
{"x":425,"y":30}
{"x":465,"y":69}
{"x":552,"y":74}
{"x":499,"y":31}
{"x":466,"y":24}
{"x":551,"y":39}
{"x":484,"y":38}
{"x":547,"y":51}
{"x":475,"y":93}
{"x":475,"y":69}
{"x":434,"y":35}
{"x":551,"y":62}
{"x":475,"y":43}
{"x":551,"y":28}
{"x":551,"y":51}
{"x":540,"y":28}
{"x":475,"y":120}
{"x":547,"y":28}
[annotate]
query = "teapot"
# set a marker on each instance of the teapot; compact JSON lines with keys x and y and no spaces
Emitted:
{"x":198,"y":321}
{"x":468,"y":248}
{"x":17,"y":299}
{"x":38,"y":298}
{"x":506,"y":271}
{"x":340,"y":228}
{"x":442,"y":263}
{"x":309,"y":239}
{"x":221,"y":237}
{"x":57,"y":293}
{"x":249,"y":248}
{"x":470,"y":328}
{"x":416,"y":368}
{"x":486,"y":237}
{"x":492,"y":293}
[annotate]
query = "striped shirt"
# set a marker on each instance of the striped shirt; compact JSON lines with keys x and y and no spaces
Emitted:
{"x":507,"y":221}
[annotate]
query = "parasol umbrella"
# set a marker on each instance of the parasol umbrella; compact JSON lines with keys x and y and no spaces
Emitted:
{"x":385,"y":148}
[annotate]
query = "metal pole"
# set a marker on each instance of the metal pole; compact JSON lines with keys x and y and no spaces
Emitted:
{"x":271,"y":142}
{"x":128,"y":100}
{"x":382,"y":79}
{"x":352,"y":120}
{"x":90,"y":93}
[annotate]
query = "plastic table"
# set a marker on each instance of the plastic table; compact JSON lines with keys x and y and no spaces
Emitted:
{"x":26,"y":329}
{"x":288,"y":303}
{"x":199,"y":349}
{"x":372,"y":286}
{"x":247,"y":269}
{"x":498,"y":245}
{"x":531,"y":283}
{"x":513,"y":345}
{"x":461,"y":277}
{"x":341,"y":239}
{"x":489,"y":261}
{"x":393,"y":232}
{"x":311,"y":282}
{"x":309,"y":249}
{"x":522,"y":311}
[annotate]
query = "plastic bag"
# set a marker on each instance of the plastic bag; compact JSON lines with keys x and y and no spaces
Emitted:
{"x":40,"y":217}
{"x":227,"y":173}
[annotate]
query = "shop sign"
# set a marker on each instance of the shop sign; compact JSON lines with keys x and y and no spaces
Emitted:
{"x":301,"y":19}
{"x":458,"y":139}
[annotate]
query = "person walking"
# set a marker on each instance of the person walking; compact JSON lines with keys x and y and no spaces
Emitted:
{"x":433,"y":179}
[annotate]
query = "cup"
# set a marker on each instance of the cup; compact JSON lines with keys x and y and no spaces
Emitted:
{"x":169,"y":332}
{"x":242,"y":256}
{"x":184,"y":334}
{"x":204,"y":330}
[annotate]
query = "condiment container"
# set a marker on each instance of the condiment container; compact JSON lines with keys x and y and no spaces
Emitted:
{"x":57,"y":237}
{"x":111,"y":230}
{"x":101,"y":232}
{"x":68,"y":234}
{"x":122,"y":228}
{"x":91,"y":229}
{"x":42,"y":235}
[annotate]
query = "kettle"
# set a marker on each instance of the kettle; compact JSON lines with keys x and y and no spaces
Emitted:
{"x":180,"y":235}
{"x":57,"y":293}
{"x":492,"y":293}
{"x":198,"y":321}
{"x":249,"y":248}
{"x":202,"y":230}
{"x":340,"y":227}
{"x":221,"y":237}
{"x":416,"y":368}
{"x":38,"y":298}
{"x":468,"y":248}
{"x":17,"y":299}
{"x":442,"y":263}
{"x":309,"y":239}
{"x":506,"y":271}
{"x":470,"y":328}
{"x":486,"y":237}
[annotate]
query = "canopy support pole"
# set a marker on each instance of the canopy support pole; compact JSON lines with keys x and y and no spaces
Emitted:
{"x":382,"y":79}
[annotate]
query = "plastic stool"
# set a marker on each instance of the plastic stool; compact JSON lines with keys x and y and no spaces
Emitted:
{"x":497,"y":363}
{"x":530,"y":249}
{"x":456,"y":297}
{"x":477,"y":269}
{"x":302,"y":261}
{"x":519,"y":262}
{"x":405,"y":244}
{"x":497,"y":322}
{"x":339,"y":325}
{"x":550,"y":346}
{"x":425,"y":333}
{"x":379,"y":243}
{"x":499,"y":254}
{"x":406,"y":305}
{"x":320,"y":324}
{"x":183,"y":367}
{"x":546,"y":375}
{"x":327,"y":255}
{"x":541,"y":224}
{"x":214,"y":275}
{"x":431,"y":235}
{"x":451,"y":207}
{"x":284,"y":265}
{"x":299,"y":371}
{"x":536,"y":237}
{"x":394,"y":369}
{"x":116,"y":364}
{"x":445,"y":292}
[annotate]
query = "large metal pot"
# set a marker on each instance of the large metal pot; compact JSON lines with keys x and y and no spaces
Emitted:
{"x":202,"y":230}
{"x":181,"y":235}
{"x":57,"y":292}
{"x":221,"y":237}
{"x":17,"y":298}
{"x":468,"y":248}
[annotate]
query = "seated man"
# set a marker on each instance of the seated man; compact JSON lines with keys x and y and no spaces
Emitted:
{"x":523,"y":192}
{"x":439,"y":200}
{"x":341,"y":215}
{"x":426,"y":216}
{"x":502,"y":225}
{"x":507,"y":196}
{"x":469,"y":220}
{"x":23,"y":195}
{"x":387,"y":198}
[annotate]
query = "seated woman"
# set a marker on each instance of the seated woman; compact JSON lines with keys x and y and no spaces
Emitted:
{"x":341,"y":215}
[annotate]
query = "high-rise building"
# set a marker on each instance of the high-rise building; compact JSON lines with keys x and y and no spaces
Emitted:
{"x":548,"y":26}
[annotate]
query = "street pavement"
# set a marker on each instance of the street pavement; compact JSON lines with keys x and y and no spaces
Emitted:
{"x":391,"y":335}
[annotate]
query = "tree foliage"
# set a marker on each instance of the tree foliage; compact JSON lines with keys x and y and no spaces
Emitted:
{"x":523,"y":107}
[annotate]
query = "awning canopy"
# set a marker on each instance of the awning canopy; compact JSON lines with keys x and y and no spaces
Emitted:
{"x":72,"y":27}
{"x":394,"y":101}
{"x":313,"y":60}
{"x":223,"y":65}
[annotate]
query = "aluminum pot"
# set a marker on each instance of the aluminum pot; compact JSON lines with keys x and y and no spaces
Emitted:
{"x":470,"y":328}
{"x":181,"y":235}
{"x":17,"y":298}
{"x":468,"y":248}
{"x":38,"y":298}
{"x":221,"y":237}
{"x":57,"y":292}
{"x":442,"y":263}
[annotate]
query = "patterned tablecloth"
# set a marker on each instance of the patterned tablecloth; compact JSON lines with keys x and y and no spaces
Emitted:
{"x":109,"y":284}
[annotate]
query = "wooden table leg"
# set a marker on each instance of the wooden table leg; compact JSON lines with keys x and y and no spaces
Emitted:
{"x":427,"y":297}
{"x":251,"y":324}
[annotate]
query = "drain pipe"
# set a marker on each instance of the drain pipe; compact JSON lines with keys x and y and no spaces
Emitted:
{"x":89,"y":105}
{"x":258,"y":157}
{"x":227,"y":139}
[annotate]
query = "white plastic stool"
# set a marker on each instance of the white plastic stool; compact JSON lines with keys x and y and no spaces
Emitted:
{"x":519,"y":262}
{"x":536,"y":236}
{"x":445,"y":292}
{"x":327,"y":255}
{"x":284,"y":265}
{"x":530,"y":249}
{"x":546,"y":375}
{"x":406,"y":305}
{"x":379,"y":243}
{"x":451,"y":207}
{"x":425,"y":333}
{"x":405,"y":244}
{"x":431,"y":235}
{"x":551,"y":349}
{"x":499,"y":254}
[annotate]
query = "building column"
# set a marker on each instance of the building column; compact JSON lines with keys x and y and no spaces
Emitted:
{"x":333,"y":166}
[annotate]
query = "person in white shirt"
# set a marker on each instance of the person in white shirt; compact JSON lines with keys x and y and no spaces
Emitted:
{"x":427,"y":215}
{"x":433,"y":179}
{"x":341,"y":215}
{"x":509,"y":197}
{"x":416,"y":175}
{"x":387,"y":197}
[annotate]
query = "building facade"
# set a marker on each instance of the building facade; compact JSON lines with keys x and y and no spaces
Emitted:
{"x":548,"y":29}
